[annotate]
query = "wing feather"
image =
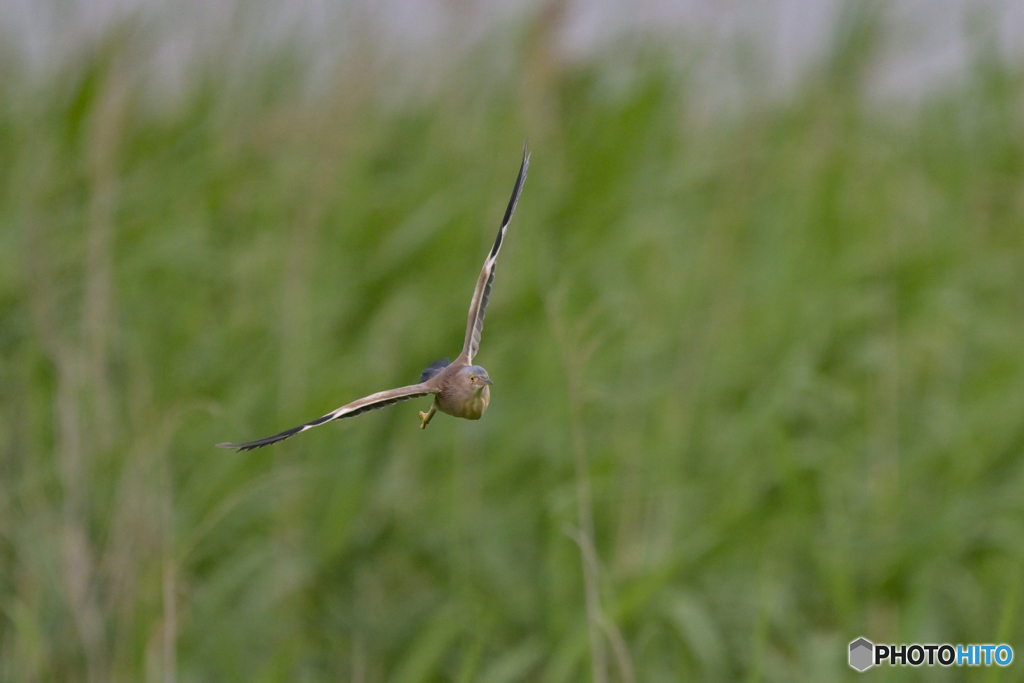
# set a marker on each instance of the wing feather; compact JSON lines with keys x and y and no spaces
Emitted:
{"x":376,"y":401}
{"x":482,"y":293}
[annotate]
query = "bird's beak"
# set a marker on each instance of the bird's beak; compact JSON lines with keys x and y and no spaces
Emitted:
{"x":486,"y":380}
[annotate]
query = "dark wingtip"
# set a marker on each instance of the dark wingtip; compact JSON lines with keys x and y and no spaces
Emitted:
{"x":516,"y":191}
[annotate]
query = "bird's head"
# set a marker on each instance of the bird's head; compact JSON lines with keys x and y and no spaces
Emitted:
{"x":476,"y":377}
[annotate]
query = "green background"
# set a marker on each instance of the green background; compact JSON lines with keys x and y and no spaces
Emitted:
{"x":759,"y":369}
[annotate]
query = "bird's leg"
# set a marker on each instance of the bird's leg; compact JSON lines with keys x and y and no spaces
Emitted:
{"x":426,"y":416}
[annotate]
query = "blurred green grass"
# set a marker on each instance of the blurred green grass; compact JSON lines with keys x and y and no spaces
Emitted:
{"x":786,"y":341}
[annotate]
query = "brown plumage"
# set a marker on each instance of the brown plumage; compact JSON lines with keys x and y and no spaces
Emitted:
{"x":460,"y":388}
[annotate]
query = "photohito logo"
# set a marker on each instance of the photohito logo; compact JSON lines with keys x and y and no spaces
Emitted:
{"x":864,"y":654}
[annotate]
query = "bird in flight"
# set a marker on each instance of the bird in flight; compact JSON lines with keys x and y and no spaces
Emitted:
{"x":460,"y":388}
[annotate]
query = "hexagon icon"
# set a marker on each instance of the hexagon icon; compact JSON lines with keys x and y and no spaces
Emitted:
{"x":860,"y":654}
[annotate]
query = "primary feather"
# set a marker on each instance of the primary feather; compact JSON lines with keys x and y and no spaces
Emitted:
{"x":482,"y":293}
{"x":376,"y":401}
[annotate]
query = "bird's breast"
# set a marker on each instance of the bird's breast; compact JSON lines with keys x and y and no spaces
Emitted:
{"x":470,"y":405}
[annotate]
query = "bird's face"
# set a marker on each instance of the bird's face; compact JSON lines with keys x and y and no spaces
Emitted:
{"x":477,"y":377}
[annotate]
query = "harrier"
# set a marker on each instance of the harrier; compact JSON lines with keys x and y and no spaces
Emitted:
{"x":459,"y":388}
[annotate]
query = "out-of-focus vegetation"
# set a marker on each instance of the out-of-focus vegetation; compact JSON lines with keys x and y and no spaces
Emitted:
{"x":768,"y":364}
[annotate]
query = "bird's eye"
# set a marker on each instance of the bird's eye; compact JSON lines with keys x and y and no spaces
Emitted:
{"x":472,"y":378}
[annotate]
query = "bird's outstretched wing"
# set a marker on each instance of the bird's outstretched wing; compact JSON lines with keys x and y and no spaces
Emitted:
{"x":478,"y":306}
{"x":373,"y":402}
